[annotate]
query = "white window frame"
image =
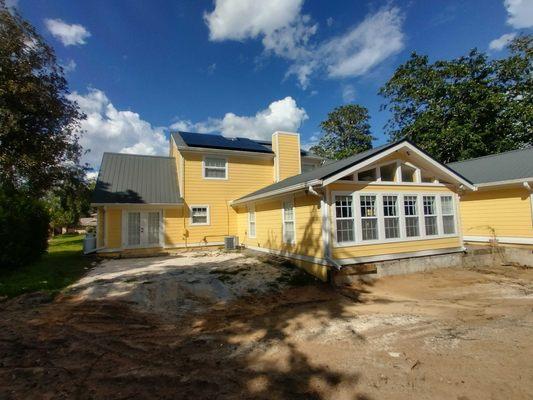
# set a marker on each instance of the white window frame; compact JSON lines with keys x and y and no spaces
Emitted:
{"x":397,"y":216}
{"x":453,"y":214}
{"x":436,"y":215}
{"x":378,"y":217}
{"x":191,"y":207}
{"x":291,"y":202}
{"x":356,"y":204}
{"x":143,"y":221}
{"x":225,"y":168}
{"x":251,"y":211}
{"x":405,"y":216}
{"x":354,"y":218}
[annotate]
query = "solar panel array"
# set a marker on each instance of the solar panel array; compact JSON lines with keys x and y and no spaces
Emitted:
{"x":221,"y":142}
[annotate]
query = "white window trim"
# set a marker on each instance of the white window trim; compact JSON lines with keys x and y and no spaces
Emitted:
{"x":442,"y":215}
{"x":334,"y":215}
{"x":379,"y":211}
{"x":219,"y":168}
{"x":290,"y":201}
{"x":251,"y":209}
{"x":397,"y":216}
{"x":437,"y":214}
{"x":208,"y":215}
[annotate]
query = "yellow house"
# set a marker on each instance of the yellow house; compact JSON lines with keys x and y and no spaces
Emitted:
{"x":389,"y":203}
{"x":501,"y":209}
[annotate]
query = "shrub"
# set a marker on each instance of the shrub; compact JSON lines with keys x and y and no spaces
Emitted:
{"x":24,"y":225}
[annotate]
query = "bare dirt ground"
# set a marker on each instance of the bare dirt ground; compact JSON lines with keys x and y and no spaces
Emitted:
{"x":195,"y":327}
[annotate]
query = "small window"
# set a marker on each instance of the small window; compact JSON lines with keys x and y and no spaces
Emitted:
{"x":367,"y":176}
{"x":215,"y":168}
{"x":288,"y":222}
{"x":408,"y":173}
{"x":251,"y":223}
{"x":199,"y":215}
{"x":410,"y":205}
{"x":369,"y":219}
{"x":391,"y":218}
{"x":430,"y":216}
{"x":448,"y":219}
{"x":344,"y":219}
{"x":388,"y":172}
{"x":427,"y":178}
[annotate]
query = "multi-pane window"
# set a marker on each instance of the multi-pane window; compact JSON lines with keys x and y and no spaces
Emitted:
{"x":369,"y":219}
{"x":448,"y":220}
{"x":430,"y":215}
{"x":199,"y":215}
{"x":367,"y":176}
{"x":344,"y":219}
{"x":388,"y":172}
{"x":251,"y":223}
{"x":288,"y":222}
{"x":215,"y":168}
{"x":410,"y":206}
{"x":390,"y":217}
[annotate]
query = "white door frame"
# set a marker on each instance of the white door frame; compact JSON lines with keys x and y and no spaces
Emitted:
{"x":144,"y":228}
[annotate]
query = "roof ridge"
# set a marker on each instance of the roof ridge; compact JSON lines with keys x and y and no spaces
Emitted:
{"x":490,"y":155}
{"x":136,"y":155}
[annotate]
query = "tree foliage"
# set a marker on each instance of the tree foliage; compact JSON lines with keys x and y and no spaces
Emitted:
{"x":38,"y":123}
{"x":346,"y":131}
{"x":466,"y":107}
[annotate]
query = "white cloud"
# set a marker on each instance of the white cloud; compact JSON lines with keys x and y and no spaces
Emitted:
{"x":243,"y":19}
{"x":348,"y":93}
{"x":68,"y":34}
{"x":285,"y":32}
{"x":69,"y":66}
{"x":499,"y":43}
{"x":378,"y":37}
{"x":282,"y":114}
{"x":109,"y":129}
{"x":520,"y":13}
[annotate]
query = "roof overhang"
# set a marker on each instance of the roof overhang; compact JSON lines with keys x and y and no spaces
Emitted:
{"x":225,"y":152}
{"x":522,"y":182}
{"x":449,"y":173}
{"x":278,"y":192}
{"x":138,"y":205}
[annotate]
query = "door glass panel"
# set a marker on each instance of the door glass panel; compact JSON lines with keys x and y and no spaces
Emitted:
{"x":134,"y":228}
{"x":153,"y":227}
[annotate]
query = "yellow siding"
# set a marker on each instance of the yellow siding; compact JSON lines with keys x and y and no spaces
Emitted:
{"x":503,"y":212}
{"x":245,"y":175}
{"x":269,"y":229}
{"x":114,"y":228}
{"x":174,"y":226}
{"x":287,"y":149}
{"x":100,"y":227}
{"x":395,"y":247}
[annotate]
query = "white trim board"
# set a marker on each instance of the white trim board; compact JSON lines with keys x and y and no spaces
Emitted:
{"x":499,"y":239}
{"x":398,"y":256}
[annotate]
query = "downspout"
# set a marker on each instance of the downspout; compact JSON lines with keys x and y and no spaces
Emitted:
{"x":311,"y":190}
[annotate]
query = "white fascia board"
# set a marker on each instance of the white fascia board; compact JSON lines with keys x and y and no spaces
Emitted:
{"x":137,"y":205}
{"x":499,"y":239}
{"x":391,"y":150}
{"x":225,"y":152}
{"x":510,"y":182}
{"x":277,"y":192}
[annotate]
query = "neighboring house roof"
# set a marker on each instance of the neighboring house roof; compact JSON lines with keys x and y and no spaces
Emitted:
{"x":330,"y":169}
{"x":204,"y":140}
{"x":511,"y":165}
{"x":128,"y":178}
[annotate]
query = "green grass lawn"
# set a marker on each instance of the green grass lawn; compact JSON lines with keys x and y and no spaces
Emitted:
{"x":62,"y":265}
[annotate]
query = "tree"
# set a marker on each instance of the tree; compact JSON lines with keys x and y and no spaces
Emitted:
{"x":39,"y":125}
{"x":346,"y":132}
{"x":465,"y":107}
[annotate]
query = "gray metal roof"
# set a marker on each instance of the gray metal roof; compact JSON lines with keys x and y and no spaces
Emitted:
{"x":515,"y":164}
{"x":321,"y":172}
{"x":128,"y":178}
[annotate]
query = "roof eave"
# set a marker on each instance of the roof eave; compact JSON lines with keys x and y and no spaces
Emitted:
{"x":278,"y":192}
{"x":505,"y":183}
{"x":225,"y":151}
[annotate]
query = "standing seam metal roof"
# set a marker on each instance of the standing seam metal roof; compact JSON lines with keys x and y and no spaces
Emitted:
{"x":128,"y":178}
{"x":514,"y":164}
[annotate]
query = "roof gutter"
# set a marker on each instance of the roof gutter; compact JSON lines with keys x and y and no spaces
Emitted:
{"x":509,"y":182}
{"x":225,"y":151}
{"x":278,"y":192}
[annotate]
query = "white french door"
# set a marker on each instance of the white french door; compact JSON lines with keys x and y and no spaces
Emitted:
{"x":142,"y":229}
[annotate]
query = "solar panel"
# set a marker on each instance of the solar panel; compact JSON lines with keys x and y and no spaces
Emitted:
{"x":221,"y":142}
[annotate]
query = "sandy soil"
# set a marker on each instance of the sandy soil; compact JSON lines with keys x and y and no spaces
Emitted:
{"x":447,"y":334}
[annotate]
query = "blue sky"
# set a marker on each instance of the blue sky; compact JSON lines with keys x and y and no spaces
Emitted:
{"x":246,"y":67}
